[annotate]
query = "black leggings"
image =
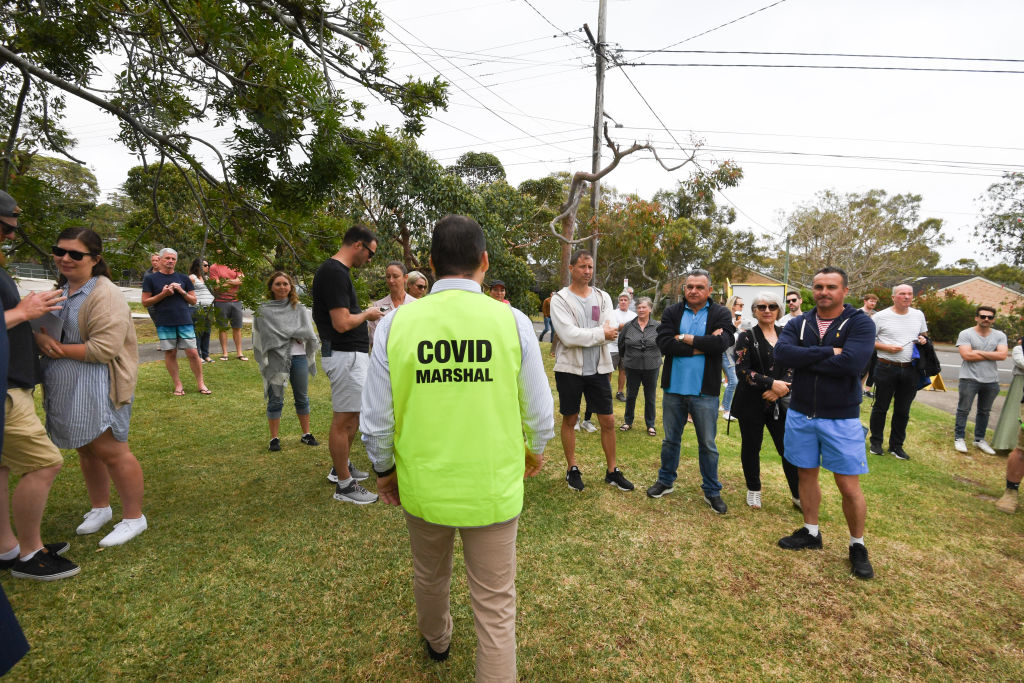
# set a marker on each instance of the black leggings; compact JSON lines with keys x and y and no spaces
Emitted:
{"x":752,"y":435}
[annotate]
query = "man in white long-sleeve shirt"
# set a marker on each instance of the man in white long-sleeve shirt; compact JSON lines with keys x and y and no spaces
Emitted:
{"x":455,"y":382}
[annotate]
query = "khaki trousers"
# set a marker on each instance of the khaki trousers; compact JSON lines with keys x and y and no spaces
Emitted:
{"x":490,"y":556}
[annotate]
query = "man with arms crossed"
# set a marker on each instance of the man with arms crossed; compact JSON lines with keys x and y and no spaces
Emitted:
{"x":793,"y":303}
{"x":345,"y":347}
{"x":897,"y":329}
{"x":980,"y":347}
{"x":447,"y":375}
{"x":581,"y":315}
{"x":827,"y":348}
{"x":693,"y":338}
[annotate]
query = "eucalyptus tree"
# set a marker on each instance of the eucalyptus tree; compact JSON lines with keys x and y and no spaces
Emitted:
{"x":285,"y":80}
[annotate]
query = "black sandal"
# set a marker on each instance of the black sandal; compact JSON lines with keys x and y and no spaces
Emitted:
{"x":625,"y":428}
{"x":651,"y":431}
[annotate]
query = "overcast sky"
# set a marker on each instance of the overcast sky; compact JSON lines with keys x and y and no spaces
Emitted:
{"x":522,"y":87}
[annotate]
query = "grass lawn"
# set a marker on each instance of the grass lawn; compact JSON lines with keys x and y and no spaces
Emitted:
{"x":145,"y":331}
{"x":250,"y":571}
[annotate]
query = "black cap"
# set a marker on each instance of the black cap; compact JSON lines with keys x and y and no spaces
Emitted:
{"x":497,"y":283}
{"x":8,"y":207}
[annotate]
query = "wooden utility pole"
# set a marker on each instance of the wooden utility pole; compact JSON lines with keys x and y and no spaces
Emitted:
{"x":595,"y":165}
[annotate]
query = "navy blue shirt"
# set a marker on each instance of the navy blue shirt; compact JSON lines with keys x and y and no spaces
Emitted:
{"x":174,"y":309}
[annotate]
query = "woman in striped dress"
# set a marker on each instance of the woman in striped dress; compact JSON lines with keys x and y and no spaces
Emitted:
{"x":89,"y":374}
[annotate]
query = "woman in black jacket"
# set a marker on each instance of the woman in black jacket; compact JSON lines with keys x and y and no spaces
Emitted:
{"x":641,"y":359}
{"x":762,"y":396}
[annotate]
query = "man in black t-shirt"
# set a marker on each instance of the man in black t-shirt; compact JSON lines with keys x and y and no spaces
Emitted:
{"x":345,"y":341}
{"x":27,"y":451}
{"x":168,"y":296}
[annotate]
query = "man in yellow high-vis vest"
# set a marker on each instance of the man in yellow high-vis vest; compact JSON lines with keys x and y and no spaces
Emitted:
{"x":455,"y":382}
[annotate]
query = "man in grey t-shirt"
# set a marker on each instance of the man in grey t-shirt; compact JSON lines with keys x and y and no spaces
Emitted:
{"x":980,"y":347}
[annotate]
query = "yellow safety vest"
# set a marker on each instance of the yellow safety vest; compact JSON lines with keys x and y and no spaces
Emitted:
{"x":454,"y":359}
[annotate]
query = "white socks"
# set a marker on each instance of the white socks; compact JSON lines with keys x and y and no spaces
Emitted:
{"x":812,"y":528}
{"x":856,"y":540}
{"x":12,"y":554}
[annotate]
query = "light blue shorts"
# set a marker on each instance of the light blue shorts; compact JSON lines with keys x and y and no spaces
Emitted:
{"x":836,"y":445}
{"x":176,"y":337}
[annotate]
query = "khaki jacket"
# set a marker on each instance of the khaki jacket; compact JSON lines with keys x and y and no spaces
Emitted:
{"x":106,"y":327}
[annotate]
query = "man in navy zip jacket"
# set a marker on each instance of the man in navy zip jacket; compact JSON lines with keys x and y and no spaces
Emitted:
{"x":693,"y":337}
{"x":827,"y":347}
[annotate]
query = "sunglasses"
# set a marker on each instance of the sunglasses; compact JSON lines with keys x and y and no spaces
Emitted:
{"x":792,"y":301}
{"x":369,"y":251}
{"x":420,"y":286}
{"x":766,"y":307}
{"x":986,"y":317}
{"x":75,"y":255}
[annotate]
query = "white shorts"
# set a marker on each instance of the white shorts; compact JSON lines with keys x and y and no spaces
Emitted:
{"x":347,"y":372}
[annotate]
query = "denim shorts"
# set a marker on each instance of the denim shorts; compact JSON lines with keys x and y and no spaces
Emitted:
{"x":836,"y":445}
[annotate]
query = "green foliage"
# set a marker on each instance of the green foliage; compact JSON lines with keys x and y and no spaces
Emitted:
{"x":947,"y":314}
{"x":1002,"y":222}
{"x":53,"y":194}
{"x":875,"y":238}
{"x":283,"y":77}
{"x":478,"y":168}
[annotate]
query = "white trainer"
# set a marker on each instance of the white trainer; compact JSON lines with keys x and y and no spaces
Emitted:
{"x":94,"y":520}
{"x":754,"y":499}
{"x":588,"y":426}
{"x":960,"y":445}
{"x":124,"y":531}
{"x":983,"y":446}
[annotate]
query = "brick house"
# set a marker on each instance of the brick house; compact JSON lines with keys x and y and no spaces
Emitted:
{"x":976,"y":289}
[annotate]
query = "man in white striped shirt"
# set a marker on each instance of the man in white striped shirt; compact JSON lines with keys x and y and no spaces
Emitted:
{"x":466,"y":379}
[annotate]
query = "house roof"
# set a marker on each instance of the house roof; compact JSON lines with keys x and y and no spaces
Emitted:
{"x":941,"y":282}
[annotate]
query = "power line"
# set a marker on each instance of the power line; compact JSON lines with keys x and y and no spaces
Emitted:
{"x":826,"y":54}
{"x":824,"y":66}
{"x":505,"y":120}
{"x":728,"y":23}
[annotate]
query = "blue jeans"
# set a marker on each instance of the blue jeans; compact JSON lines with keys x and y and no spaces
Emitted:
{"x":729,"y":365}
{"x":547,"y":328}
{"x":298,"y":376}
{"x":986,"y":393}
{"x":704,"y":410}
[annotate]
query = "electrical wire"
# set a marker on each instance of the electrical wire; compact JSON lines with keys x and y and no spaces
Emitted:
{"x":827,"y":54}
{"x":823,"y":66}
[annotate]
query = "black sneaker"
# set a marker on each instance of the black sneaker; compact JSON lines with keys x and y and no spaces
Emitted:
{"x":620,"y":396}
{"x":899,"y":452}
{"x":658,"y":490}
{"x":309,"y":440}
{"x":801,"y":539}
{"x":435,"y":655}
{"x":716,"y":503}
{"x":615,"y":478}
{"x":859,"y":562}
{"x":54,"y":548}
{"x":45,"y":566}
{"x":275,"y":444}
{"x":875,"y":450}
{"x":332,"y":476}
{"x":574,"y":478}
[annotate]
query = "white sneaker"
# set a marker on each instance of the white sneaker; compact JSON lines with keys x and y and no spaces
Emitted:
{"x":588,"y":426}
{"x":124,"y":531}
{"x":754,"y":499}
{"x":576,"y":427}
{"x":960,"y":445}
{"x":983,"y":446}
{"x":726,"y":416}
{"x":94,"y":520}
{"x":797,"y":504}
